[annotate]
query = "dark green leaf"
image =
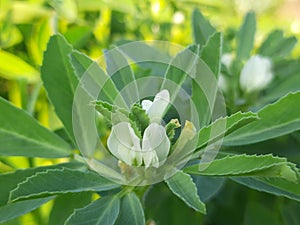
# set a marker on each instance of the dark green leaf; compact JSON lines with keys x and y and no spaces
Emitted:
{"x":55,"y":181}
{"x":247,"y":165}
{"x":276,"y":45}
{"x":13,"y":210}
{"x":64,"y":206}
{"x":202,"y":29}
{"x":212,"y":51}
{"x":277,"y":119}
{"x":59,"y":79}
{"x":22,"y":135}
{"x":182,"y":185}
{"x":275,"y":186}
{"x":103,"y":211}
{"x":131,"y":211}
{"x":224,"y":126}
{"x":93,"y":79}
{"x":11,"y":180}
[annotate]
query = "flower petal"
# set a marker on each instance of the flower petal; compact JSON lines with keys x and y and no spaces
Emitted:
{"x":146,"y":104}
{"x":159,"y":105}
{"x":156,"y":139}
{"x":124,"y":144}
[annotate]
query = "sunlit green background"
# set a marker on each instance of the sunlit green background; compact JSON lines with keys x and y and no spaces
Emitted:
{"x":92,"y":25}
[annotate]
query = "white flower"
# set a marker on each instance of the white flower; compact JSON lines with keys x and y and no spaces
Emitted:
{"x":154,"y":147}
{"x":155,"y":109}
{"x":226,"y":59}
{"x":126,"y":146}
{"x":256,"y":74}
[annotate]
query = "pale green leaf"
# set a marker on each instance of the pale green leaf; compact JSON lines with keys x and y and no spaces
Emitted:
{"x":13,"y":210}
{"x":103,"y":211}
{"x":59,"y":181}
{"x":277,"y":119}
{"x":247,"y":165}
{"x":12,"y":67}
{"x":245,"y":37}
{"x":22,"y":135}
{"x":182,"y":185}
{"x":131,"y":211}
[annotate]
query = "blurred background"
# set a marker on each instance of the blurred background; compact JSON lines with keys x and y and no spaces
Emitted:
{"x":93,"y":25}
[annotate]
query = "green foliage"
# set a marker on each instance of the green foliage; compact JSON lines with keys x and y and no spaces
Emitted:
{"x":131,"y":211}
{"x":179,"y":184}
{"x":274,"y":121}
{"x":41,"y":129}
{"x":59,"y":79}
{"x":101,"y":212}
{"x":34,"y":142}
{"x":245,"y":37}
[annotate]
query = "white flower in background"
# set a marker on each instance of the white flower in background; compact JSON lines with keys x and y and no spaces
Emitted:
{"x":256,"y":74}
{"x":226,"y":59}
{"x":154,"y":147}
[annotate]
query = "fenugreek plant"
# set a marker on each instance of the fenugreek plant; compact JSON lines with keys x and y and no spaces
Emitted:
{"x":153,"y":128}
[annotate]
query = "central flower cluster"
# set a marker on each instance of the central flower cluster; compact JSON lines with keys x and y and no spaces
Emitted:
{"x":153,"y":148}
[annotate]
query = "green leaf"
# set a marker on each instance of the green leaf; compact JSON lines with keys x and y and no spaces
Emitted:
{"x":208,"y":186}
{"x":11,"y":180}
{"x":61,"y":211}
{"x":59,"y":181}
{"x":245,"y":36}
{"x":182,"y":65}
{"x":85,"y":68}
{"x":162,"y":206}
{"x":131,"y":211}
{"x":212,"y":51}
{"x":275,"y":45}
{"x":257,"y":213}
{"x":277,"y":119}
{"x":22,"y":135}
{"x":182,"y":185}
{"x":139,"y":117}
{"x":103,"y":211}
{"x":12,"y":67}
{"x":78,"y":36}
{"x":247,"y":165}
{"x":275,"y":186}
{"x":202,"y":29}
{"x":112,"y":113}
{"x":13,"y":210}
{"x":59,"y":79}
{"x":119,"y":70}
{"x":224,"y":126}
{"x":283,"y":87}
